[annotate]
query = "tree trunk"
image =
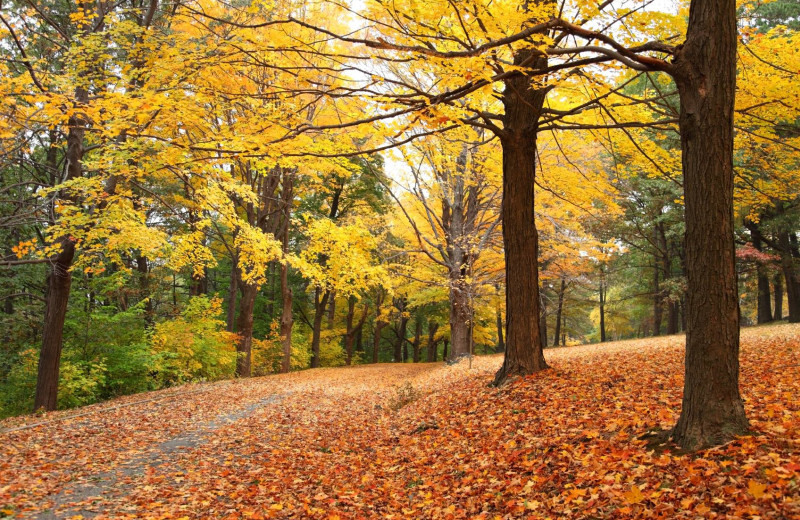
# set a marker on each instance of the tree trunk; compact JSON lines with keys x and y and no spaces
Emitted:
{"x":602,"y":312}
{"x":287,"y":320}
{"x":657,"y":302}
{"x":417,"y":335}
{"x":705,"y":73}
{"x":523,"y":106}
{"x":559,"y":311}
{"x":672,"y":317}
{"x":352,"y":330}
{"x":444,"y":352}
{"x":244,"y":324}
{"x":501,"y":344}
{"x":543,"y":318}
{"x":232,"y":290}
{"x":791,"y":275}
{"x":777,"y":283}
{"x":401,"y":340}
{"x":432,"y":328}
{"x":460,"y":316}
{"x":379,"y":325}
{"x":320,"y":302}
{"x":144,"y":286}
{"x":59,"y":279}
{"x":764,"y":304}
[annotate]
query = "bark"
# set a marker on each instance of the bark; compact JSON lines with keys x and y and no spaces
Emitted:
{"x":777,"y":283}
{"x":764,"y":304}
{"x":320,"y":303}
{"x":705,"y":73}
{"x":444,"y":352}
{"x":417,"y":335}
{"x":353,"y":330}
{"x":244,"y":325}
{"x":791,"y":275}
{"x":559,"y":312}
{"x":432,"y":328}
{"x":672,"y":317}
{"x":59,"y":279}
{"x":657,"y":303}
{"x":232,"y":290}
{"x":460,"y":316}
{"x":501,"y":344}
{"x":287,"y":319}
{"x":602,"y":311}
{"x":401,"y":334}
{"x":523,"y":106}
{"x":379,"y":325}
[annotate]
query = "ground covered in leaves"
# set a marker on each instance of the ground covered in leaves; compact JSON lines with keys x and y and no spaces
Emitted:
{"x":419,"y":441}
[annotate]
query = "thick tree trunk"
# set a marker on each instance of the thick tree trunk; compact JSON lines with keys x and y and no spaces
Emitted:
{"x":244,"y":325}
{"x":523,"y":106}
{"x":320,"y":303}
{"x":460,"y":317}
{"x":705,"y":72}
{"x":59,"y":281}
{"x":777,"y":284}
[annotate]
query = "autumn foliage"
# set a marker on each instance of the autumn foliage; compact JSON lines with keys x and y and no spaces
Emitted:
{"x":420,"y":441}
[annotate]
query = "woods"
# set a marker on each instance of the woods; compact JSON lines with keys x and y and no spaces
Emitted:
{"x":194,"y":191}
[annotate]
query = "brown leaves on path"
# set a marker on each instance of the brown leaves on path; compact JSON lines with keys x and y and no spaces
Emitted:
{"x":423,"y":441}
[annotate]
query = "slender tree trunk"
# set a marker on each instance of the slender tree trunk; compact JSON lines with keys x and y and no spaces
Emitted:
{"x":244,"y":324}
{"x":543,"y":319}
{"x":705,"y":73}
{"x":352,"y":330}
{"x":777,"y":283}
{"x":501,"y":344}
{"x":432,"y":328}
{"x":379,"y":325}
{"x":401,"y":340}
{"x":602,"y":311}
{"x":559,"y":312}
{"x":764,"y":305}
{"x":320,"y":303}
{"x":287,"y":320}
{"x":417,"y":336}
{"x":232,"y":290}
{"x":791,"y":275}
{"x":59,"y":279}
{"x":657,"y":301}
{"x":444,"y":352}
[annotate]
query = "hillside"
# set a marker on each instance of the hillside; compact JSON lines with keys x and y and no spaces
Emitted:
{"x":419,"y":441}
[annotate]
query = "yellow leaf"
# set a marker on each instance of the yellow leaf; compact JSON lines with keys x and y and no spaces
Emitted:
{"x":634,"y":496}
{"x":756,"y":489}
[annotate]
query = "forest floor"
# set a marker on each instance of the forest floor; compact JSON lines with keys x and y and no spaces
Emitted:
{"x":419,"y":441}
